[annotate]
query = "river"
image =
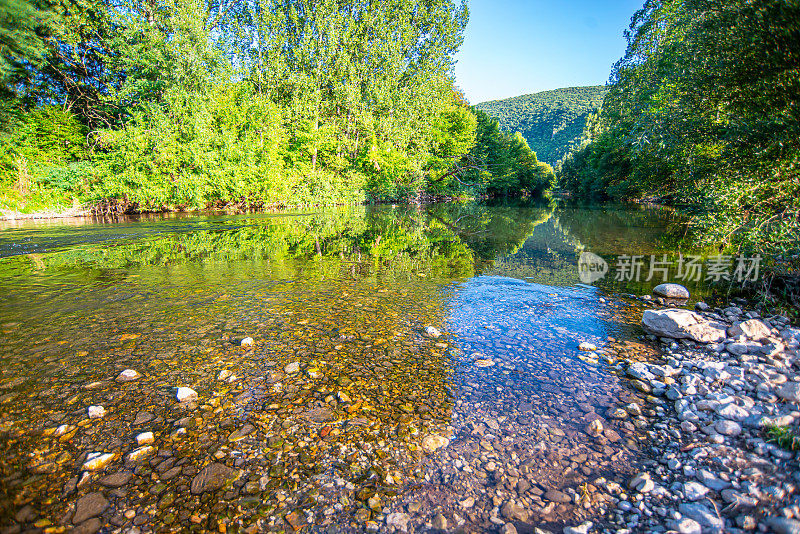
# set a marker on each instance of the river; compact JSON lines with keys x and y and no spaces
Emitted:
{"x":348,"y":364}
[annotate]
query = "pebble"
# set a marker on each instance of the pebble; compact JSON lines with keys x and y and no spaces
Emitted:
{"x":185,"y":394}
{"x":247,"y":342}
{"x":292,"y":368}
{"x":432,"y":332}
{"x":586,"y":346}
{"x":96,"y":412}
{"x":145,"y":438}
{"x":97,"y":460}
{"x":128,"y":375}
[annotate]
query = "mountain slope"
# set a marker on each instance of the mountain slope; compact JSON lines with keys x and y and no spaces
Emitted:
{"x":551,"y":120}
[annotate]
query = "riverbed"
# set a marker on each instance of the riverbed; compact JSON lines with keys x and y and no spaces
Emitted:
{"x":341,"y":366}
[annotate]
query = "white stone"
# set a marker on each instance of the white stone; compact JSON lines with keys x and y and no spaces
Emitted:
{"x":247,"y":342}
{"x":186,"y":394}
{"x":755,"y":329}
{"x":145,"y":438}
{"x":292,"y":368}
{"x":97,"y":460}
{"x":128,"y":375}
{"x":586,"y":346}
{"x":96,"y":412}
{"x":430,"y":331}
{"x":672,"y":291}
{"x":137,"y":455}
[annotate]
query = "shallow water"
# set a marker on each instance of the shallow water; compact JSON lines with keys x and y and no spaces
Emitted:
{"x":345,"y":439}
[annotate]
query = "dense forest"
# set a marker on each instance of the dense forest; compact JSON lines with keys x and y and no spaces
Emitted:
{"x":703,"y":112}
{"x":193,"y":104}
{"x":552,"y":122}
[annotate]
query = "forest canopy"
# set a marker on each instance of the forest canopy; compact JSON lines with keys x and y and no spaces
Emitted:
{"x":192,"y":104}
{"x":703,"y":112}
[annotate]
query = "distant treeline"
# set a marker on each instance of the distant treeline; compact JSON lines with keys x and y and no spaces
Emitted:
{"x":703,"y":112}
{"x":552,"y":122}
{"x":191,"y":104}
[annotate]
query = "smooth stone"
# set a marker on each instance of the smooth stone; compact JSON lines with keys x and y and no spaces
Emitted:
{"x":90,"y":526}
{"x":247,"y":342}
{"x":671,"y":291}
{"x":212,"y":477}
{"x":755,"y":329}
{"x":642,"y":483}
{"x":242,"y":433}
{"x":97,"y":460}
{"x":557,"y":496}
{"x":588,"y":347}
{"x":514,"y":512}
{"x":145,"y":438}
{"x":728,"y":428}
{"x":433,"y":332}
{"x":128,"y":375}
{"x":115,"y":480}
{"x":790,"y":391}
{"x":439,"y":522}
{"x":292,"y":368}
{"x":583,"y":528}
{"x":689,"y":526}
{"x":185,"y":394}
{"x":483,"y":362}
{"x":88,"y":506}
{"x":708,"y":519}
{"x":96,"y":412}
{"x":137,"y":455}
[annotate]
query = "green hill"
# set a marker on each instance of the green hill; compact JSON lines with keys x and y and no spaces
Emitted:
{"x":551,"y":121}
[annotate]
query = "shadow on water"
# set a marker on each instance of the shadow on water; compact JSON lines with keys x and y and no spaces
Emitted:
{"x":336,"y":411}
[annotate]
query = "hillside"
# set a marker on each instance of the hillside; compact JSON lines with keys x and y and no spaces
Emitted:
{"x":551,"y":120}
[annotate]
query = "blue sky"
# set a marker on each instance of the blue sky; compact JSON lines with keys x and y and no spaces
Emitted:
{"x":515,"y":47}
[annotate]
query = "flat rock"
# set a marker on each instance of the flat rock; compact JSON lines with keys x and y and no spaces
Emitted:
{"x":115,"y":480}
{"x":142,"y":418}
{"x":790,"y":391}
{"x":90,"y":526}
{"x":88,"y":506}
{"x":671,"y":291}
{"x":708,"y":519}
{"x":212,"y":477}
{"x":292,"y":368}
{"x":557,"y":496}
{"x":694,"y":491}
{"x":242,"y":433}
{"x":755,"y":329}
{"x":398,"y":520}
{"x":682,"y":324}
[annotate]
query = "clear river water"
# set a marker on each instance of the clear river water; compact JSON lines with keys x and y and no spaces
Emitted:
{"x":343,"y":407}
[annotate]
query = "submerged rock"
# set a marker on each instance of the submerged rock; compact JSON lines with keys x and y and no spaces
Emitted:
{"x":88,"y":506}
{"x":96,"y":412}
{"x":97,"y":460}
{"x":682,"y":324}
{"x":213,"y":477}
{"x":128,"y":375}
{"x":185,"y":394}
{"x":432,"y":442}
{"x":433,"y":332}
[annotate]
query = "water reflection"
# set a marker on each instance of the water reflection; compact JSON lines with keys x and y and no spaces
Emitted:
{"x":331,"y":416}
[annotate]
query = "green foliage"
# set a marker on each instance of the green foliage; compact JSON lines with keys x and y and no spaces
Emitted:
{"x":551,"y":121}
{"x":783,"y":437}
{"x":220,"y":146}
{"x":199,"y":103}
{"x":703,"y":112}
{"x":500,"y":164}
